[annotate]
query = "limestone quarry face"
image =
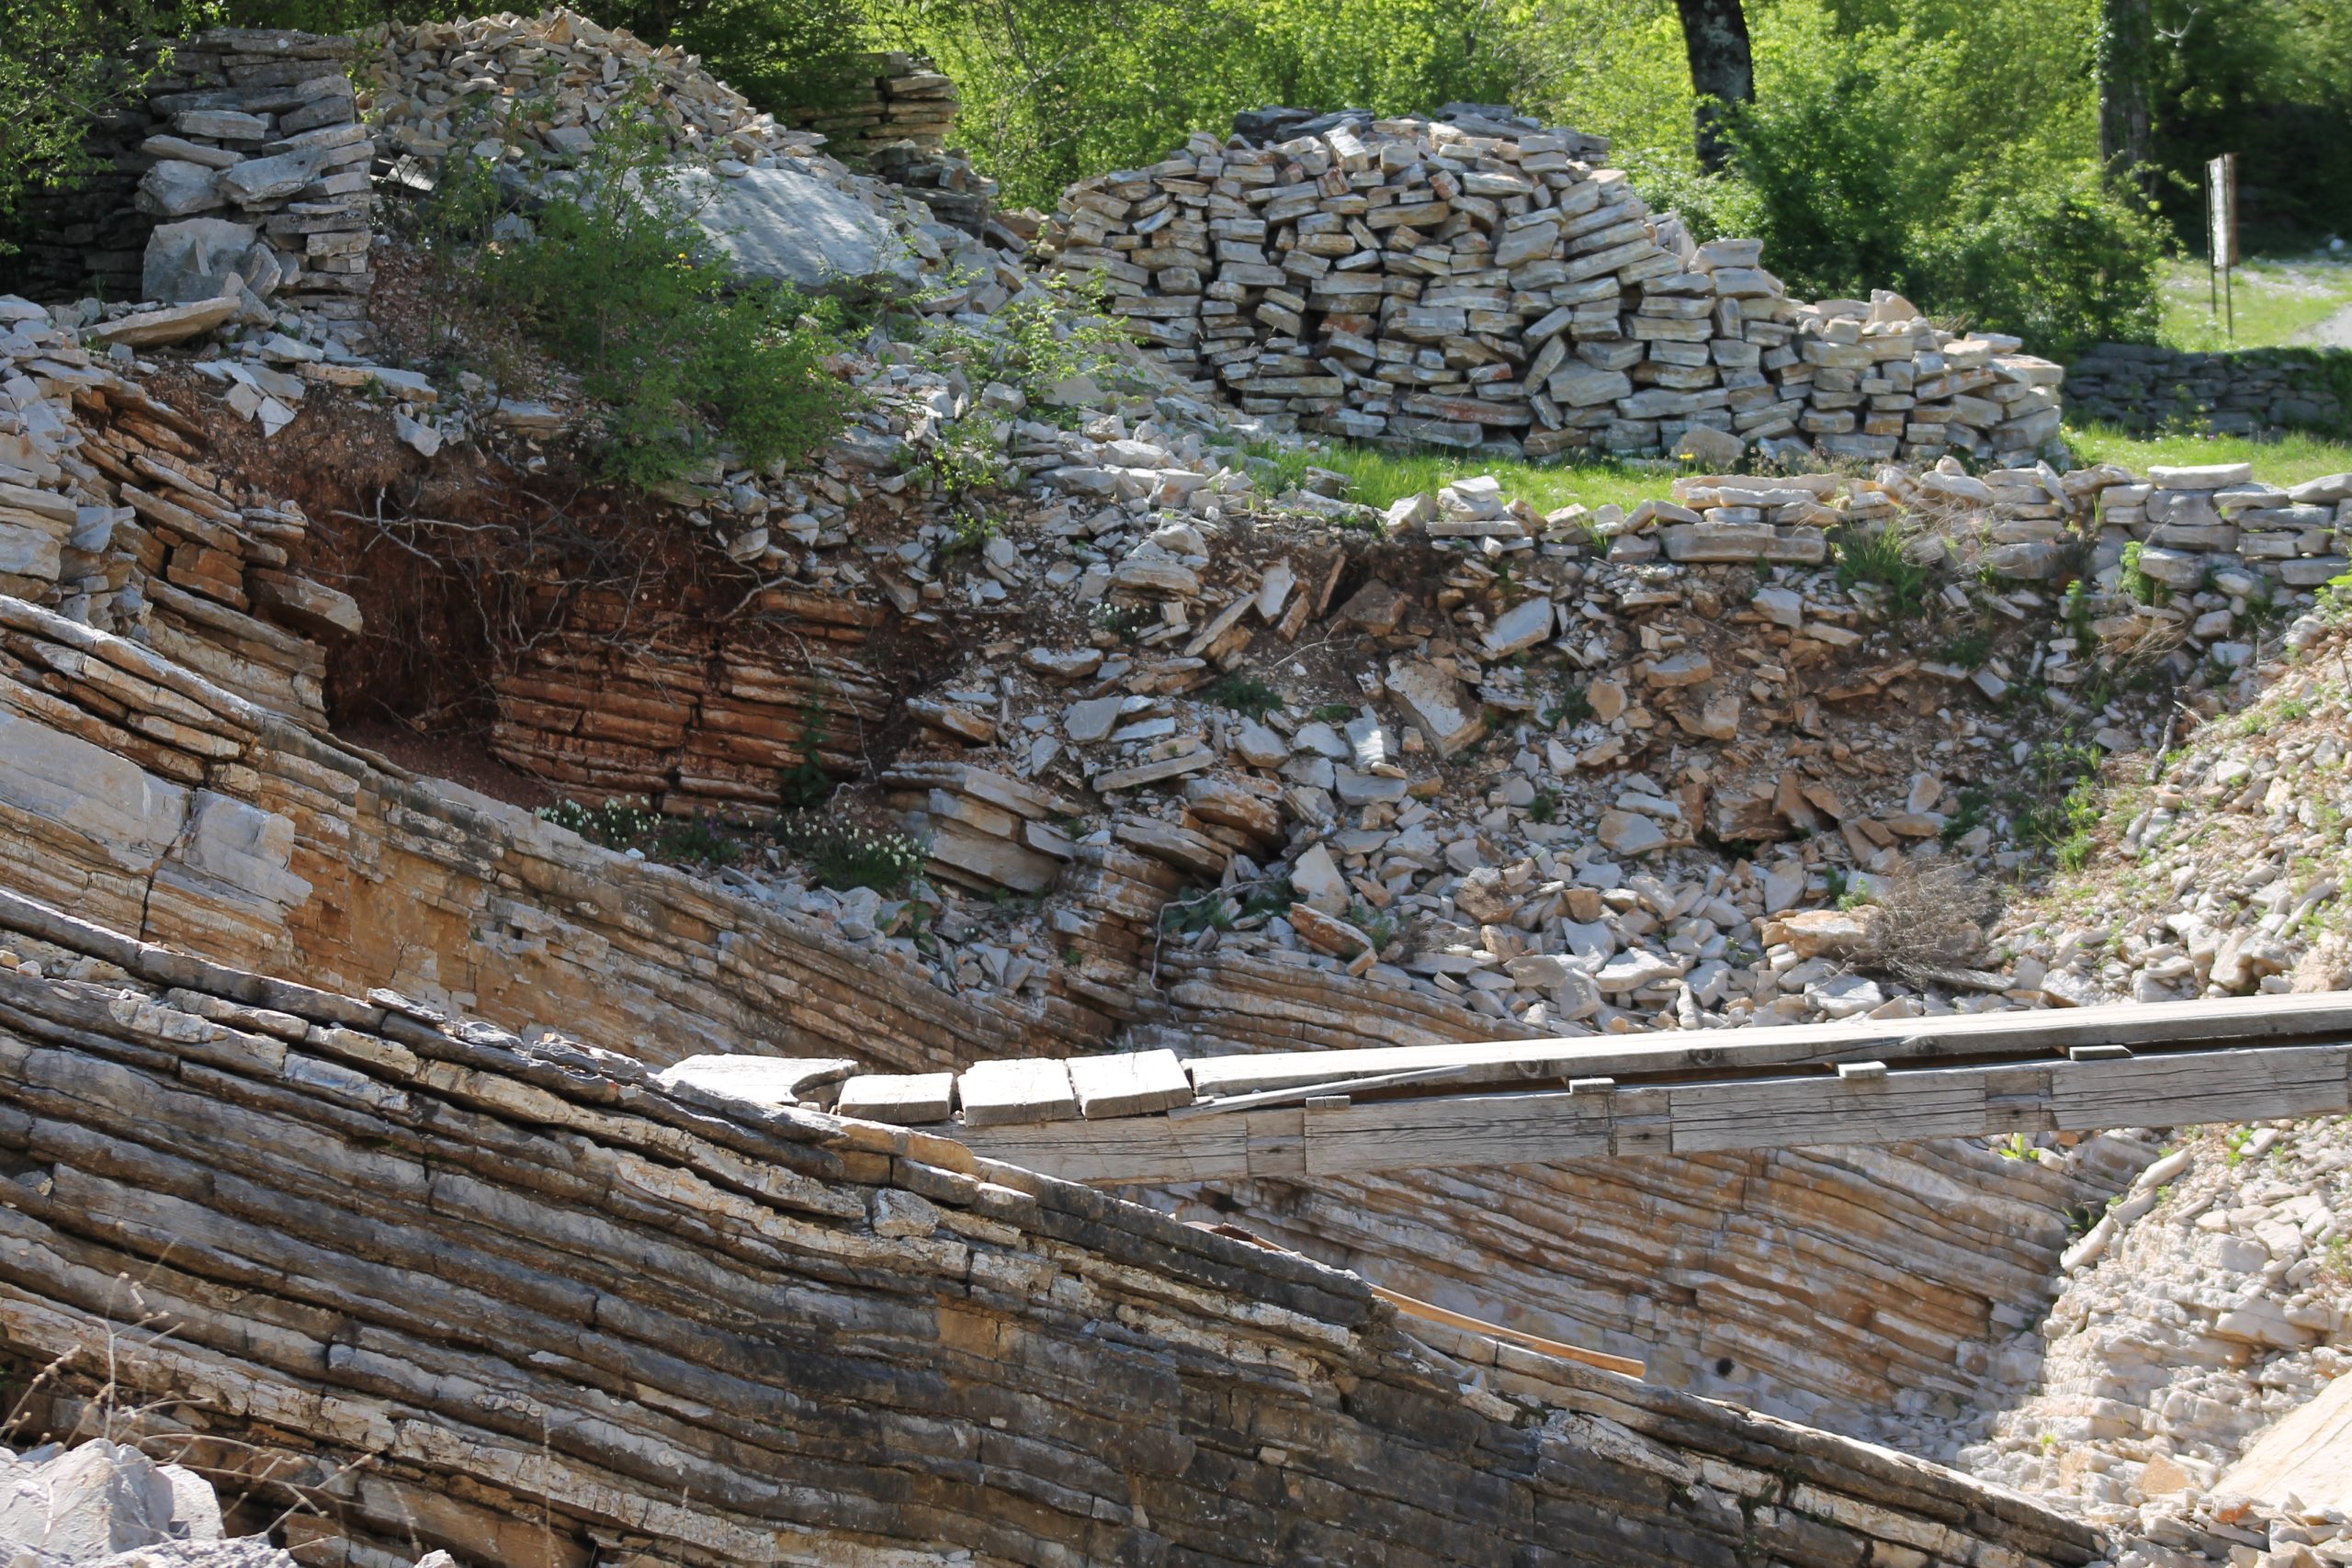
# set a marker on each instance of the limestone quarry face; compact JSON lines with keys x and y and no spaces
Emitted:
{"x":531,"y":1199}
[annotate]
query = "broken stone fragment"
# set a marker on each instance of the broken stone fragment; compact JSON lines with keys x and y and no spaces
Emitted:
{"x":1631,"y":833}
{"x":1326,"y":933}
{"x":1315,"y":876}
{"x":177,"y":323}
{"x":1434,"y":702}
{"x":1831,"y":933}
{"x":1524,"y":625}
{"x":192,"y":259}
{"x":176,"y":188}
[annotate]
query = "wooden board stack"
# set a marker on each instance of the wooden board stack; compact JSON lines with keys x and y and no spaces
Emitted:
{"x":1480,"y":280}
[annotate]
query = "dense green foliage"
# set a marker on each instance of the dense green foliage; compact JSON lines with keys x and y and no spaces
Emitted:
{"x":618,"y":282}
{"x":2270,"y":80}
{"x":1056,"y":89}
{"x":1945,"y":148}
{"x":60,"y":62}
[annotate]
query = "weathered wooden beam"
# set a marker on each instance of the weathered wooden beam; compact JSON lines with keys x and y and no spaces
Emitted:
{"x":1335,"y":1134}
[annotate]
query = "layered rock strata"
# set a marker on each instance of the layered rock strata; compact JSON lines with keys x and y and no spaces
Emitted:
{"x":520,"y":1301}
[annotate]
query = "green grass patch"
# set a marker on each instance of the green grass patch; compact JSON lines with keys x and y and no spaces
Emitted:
{"x":690,"y":362}
{"x":2289,"y":460}
{"x":2277,"y":300}
{"x":1381,"y":477}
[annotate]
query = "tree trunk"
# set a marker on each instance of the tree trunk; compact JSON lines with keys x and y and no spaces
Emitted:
{"x":1723,"y":72}
{"x":2124,"y":62}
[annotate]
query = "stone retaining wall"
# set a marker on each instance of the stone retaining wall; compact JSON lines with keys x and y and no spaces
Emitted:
{"x":2143,"y":387}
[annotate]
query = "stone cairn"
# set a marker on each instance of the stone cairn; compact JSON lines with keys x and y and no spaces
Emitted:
{"x":1480,"y":280}
{"x":244,"y":172}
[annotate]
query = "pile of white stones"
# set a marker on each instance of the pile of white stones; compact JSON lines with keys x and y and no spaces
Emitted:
{"x":1478,"y":279}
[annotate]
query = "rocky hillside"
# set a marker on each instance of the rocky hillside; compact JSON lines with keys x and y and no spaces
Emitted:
{"x":383,"y":779}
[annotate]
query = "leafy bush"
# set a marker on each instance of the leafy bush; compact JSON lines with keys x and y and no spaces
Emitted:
{"x":1892,"y":144}
{"x":842,"y":856}
{"x":618,"y":282}
{"x":2061,"y":263}
{"x":62,"y":62}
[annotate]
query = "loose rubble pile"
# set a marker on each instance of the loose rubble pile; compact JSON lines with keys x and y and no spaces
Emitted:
{"x":106,"y":1505}
{"x":1478,"y":279}
{"x":2246,"y":392}
{"x":2212,"y":1300}
{"x":2226,"y":870}
{"x":529,"y":93}
{"x":531,"y":90}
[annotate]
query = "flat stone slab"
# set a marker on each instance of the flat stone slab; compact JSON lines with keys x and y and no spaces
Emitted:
{"x":782,"y":224}
{"x":173,"y":325}
{"x":998,"y":1093}
{"x":903,"y":1099}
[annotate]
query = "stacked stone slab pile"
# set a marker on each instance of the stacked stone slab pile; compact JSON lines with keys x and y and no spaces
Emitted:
{"x":893,"y":97}
{"x":1479,"y":279}
{"x":897,"y":120}
{"x":2145,"y":387}
{"x":109,"y":513}
{"x":452,"y":1278}
{"x":252,"y":178}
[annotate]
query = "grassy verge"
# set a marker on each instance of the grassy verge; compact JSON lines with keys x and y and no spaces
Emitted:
{"x":2278,"y":300}
{"x":2289,"y":460}
{"x":1382,"y":476}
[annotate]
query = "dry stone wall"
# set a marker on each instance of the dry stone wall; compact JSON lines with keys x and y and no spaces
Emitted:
{"x":1480,"y":279}
{"x":531,"y":1303}
{"x":2145,"y":387}
{"x":244,"y":169}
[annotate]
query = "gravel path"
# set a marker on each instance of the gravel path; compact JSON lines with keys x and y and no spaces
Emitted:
{"x":2334,"y":333}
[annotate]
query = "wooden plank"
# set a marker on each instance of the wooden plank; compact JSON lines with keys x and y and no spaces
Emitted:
{"x":1343,"y":1137}
{"x":1139,"y":1148}
{"x":1502,"y":1129}
{"x":904,"y":1100}
{"x":1132,"y":1083}
{"x":1277,"y":1141}
{"x":2324,"y":1016}
{"x":995,"y":1094}
{"x":2198,"y":1087}
{"x":1643,"y":1121}
{"x":1802,"y":1112}
{"x":2308,"y":1453}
